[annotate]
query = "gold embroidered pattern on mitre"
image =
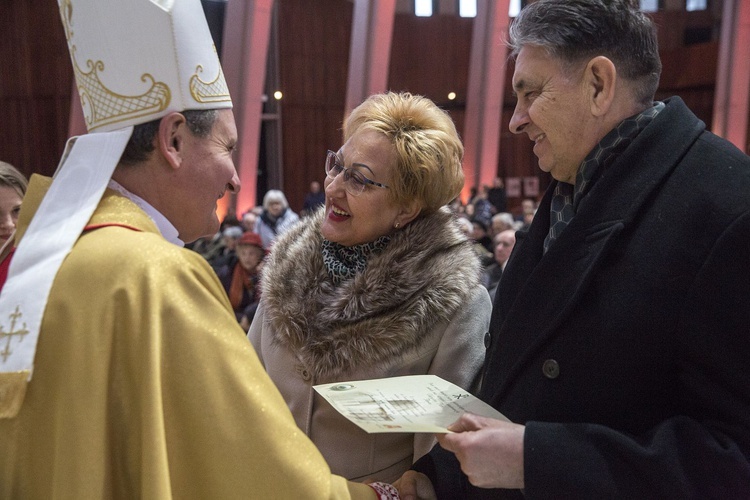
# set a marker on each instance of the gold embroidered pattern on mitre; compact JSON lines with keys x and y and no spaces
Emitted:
{"x":8,"y":335}
{"x":66,"y":12}
{"x":214,"y":91}
{"x":104,"y":106}
{"x":107,"y":107}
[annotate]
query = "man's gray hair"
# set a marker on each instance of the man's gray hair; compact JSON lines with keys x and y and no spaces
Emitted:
{"x":574,"y":31}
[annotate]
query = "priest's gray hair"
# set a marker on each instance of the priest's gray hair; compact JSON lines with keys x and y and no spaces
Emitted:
{"x":141,"y":143}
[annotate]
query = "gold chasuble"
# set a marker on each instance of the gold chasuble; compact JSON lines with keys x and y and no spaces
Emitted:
{"x":146,"y":387}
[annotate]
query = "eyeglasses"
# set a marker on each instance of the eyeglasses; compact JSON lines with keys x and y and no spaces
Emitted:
{"x":354,"y":181}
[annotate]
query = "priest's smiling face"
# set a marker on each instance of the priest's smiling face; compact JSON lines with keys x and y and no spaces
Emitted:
{"x":209,"y":173}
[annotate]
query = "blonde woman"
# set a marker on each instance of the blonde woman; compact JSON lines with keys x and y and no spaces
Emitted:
{"x":379,"y":282}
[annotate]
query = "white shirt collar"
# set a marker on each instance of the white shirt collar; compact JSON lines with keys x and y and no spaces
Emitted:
{"x":162,"y":223}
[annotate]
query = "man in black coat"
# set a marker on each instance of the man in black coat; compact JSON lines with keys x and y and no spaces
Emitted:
{"x":621,"y":330}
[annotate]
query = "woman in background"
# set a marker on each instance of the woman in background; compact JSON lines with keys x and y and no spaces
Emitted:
{"x":380,"y":282}
{"x":12,"y":190}
{"x":276,"y":218}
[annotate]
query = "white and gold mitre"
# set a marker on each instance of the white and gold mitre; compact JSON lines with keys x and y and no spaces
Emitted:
{"x":134,"y":61}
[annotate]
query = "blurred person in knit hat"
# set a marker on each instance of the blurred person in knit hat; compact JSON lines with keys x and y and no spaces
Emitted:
{"x":240,"y":276}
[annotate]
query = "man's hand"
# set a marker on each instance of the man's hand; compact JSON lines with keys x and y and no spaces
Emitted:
{"x":490,"y":451}
{"x":414,"y":485}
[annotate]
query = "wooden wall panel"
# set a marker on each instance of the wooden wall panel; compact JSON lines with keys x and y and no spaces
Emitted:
{"x":35,"y":85}
{"x":690,"y":72}
{"x":314,"y":58}
{"x":430,"y":56}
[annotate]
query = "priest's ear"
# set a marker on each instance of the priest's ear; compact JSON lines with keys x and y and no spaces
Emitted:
{"x":600,"y":78}
{"x":170,"y":138}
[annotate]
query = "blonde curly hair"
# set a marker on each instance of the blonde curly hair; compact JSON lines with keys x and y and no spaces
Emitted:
{"x":427,"y":146}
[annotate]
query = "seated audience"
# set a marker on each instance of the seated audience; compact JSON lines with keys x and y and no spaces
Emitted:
{"x":224,"y":252}
{"x":480,"y":234}
{"x":248,"y":221}
{"x":497,"y":196}
{"x":502,"y":222}
{"x":504,"y":243}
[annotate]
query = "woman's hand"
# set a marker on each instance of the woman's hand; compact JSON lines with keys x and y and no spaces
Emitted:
{"x":413,"y":485}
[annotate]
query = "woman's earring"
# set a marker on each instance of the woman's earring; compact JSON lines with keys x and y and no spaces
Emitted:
{"x":397,"y":225}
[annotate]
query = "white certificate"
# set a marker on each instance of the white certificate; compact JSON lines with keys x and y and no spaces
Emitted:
{"x":416,"y":403}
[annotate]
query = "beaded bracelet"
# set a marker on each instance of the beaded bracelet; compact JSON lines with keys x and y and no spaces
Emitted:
{"x":384,"y":491}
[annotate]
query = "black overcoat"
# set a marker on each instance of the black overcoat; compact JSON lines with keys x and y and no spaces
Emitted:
{"x":624,"y":348}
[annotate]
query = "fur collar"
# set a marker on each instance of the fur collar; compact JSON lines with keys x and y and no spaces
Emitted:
{"x":420,"y":279}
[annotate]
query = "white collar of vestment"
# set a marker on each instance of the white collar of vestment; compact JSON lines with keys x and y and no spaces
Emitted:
{"x":162,"y":223}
